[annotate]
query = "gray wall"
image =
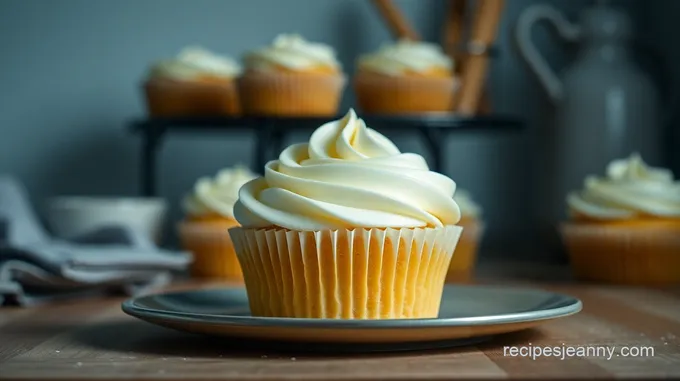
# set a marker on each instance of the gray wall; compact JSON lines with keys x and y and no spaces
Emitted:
{"x":70,"y":72}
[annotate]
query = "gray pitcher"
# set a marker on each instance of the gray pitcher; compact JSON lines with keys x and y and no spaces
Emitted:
{"x":606,"y":107}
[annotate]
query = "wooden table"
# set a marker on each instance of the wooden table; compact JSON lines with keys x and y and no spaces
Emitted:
{"x":95,"y":340}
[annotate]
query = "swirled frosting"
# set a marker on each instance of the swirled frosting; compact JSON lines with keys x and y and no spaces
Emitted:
{"x":196,"y":62}
{"x":347,"y":176}
{"x":630,"y":189}
{"x":468,"y":207}
{"x":293,"y":52}
{"x":406,"y":56}
{"x":217,"y":196}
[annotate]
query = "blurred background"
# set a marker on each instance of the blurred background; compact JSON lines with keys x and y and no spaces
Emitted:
{"x":71,"y":71}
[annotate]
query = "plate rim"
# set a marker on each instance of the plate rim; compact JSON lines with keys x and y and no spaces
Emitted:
{"x":575,"y":306}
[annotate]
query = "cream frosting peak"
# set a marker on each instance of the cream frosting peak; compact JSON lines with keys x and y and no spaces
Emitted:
{"x":294,"y":52}
{"x":219,"y":194}
{"x":635,"y":169}
{"x":347,"y":176}
{"x":194,"y":62}
{"x":406,"y":55}
{"x":631,"y":188}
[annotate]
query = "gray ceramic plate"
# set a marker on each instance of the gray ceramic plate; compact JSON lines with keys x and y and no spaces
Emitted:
{"x":467,"y":312}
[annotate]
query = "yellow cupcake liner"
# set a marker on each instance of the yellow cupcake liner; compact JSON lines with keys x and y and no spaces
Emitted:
{"x":462,"y":265}
{"x":381,"y":94}
{"x":212,"y":249}
{"x":291,"y":94}
{"x":347,"y":274}
{"x":624,"y":254}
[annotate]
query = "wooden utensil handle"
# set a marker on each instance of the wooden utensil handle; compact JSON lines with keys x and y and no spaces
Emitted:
{"x":484,"y":31}
{"x":454,"y":27}
{"x":396,"y":21}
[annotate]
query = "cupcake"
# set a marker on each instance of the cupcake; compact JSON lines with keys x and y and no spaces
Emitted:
{"x":405,"y":77}
{"x":292,"y":77}
{"x":461,"y":268}
{"x":625,"y":227}
{"x":346,"y":226}
{"x":195,"y":83}
{"x":209,"y":213}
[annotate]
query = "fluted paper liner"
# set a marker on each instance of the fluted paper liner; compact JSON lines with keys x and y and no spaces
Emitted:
{"x":212,"y":249}
{"x":348,"y":274}
{"x":381,"y":94}
{"x":166,"y":97}
{"x":291,"y":94}
{"x":624,"y":254}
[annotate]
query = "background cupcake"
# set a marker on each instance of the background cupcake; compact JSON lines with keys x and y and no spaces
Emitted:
{"x":346,"y":226}
{"x":462,"y":266}
{"x":625,"y":227}
{"x":405,"y":77}
{"x":209,"y":214}
{"x":292,"y":77}
{"x":196,"y":82}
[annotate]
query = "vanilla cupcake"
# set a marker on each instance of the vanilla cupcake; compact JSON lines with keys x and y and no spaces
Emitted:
{"x":346,"y":226}
{"x":195,"y":83}
{"x":292,"y":77}
{"x":461,"y":268}
{"x":625,"y":227}
{"x":405,"y":77}
{"x":209,"y":213}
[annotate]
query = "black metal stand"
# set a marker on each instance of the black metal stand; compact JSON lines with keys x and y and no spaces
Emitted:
{"x":151,"y":141}
{"x":270,"y":133}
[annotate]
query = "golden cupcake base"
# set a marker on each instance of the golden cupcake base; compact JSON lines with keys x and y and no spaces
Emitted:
{"x":291,"y":94}
{"x":168,"y":98}
{"x":212,"y":249}
{"x":348,"y":274}
{"x":462,"y":265}
{"x":634,"y":254}
{"x":381,"y":94}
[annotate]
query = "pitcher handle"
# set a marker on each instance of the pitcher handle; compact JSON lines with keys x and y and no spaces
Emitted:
{"x":566,"y":30}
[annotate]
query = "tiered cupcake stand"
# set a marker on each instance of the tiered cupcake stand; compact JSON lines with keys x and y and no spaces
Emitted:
{"x":270,"y":134}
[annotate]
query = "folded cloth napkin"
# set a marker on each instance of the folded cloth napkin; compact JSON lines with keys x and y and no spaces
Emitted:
{"x":35,"y":267}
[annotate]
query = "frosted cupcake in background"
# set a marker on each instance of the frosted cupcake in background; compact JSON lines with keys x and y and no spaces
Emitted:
{"x":346,"y":226}
{"x":405,"y":77}
{"x":292,"y":77}
{"x":209,"y":210}
{"x":462,"y":266}
{"x":195,"y":83}
{"x":625,"y":227}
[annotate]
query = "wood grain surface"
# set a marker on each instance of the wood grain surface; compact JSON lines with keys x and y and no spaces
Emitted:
{"x":95,"y":340}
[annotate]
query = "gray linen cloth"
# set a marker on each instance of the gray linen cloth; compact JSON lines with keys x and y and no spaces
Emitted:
{"x":35,"y":267}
